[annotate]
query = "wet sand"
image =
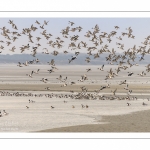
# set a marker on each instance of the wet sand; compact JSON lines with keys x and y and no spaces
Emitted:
{"x":101,"y":116}
{"x":135,"y":122}
{"x":139,"y":88}
{"x":15,"y":78}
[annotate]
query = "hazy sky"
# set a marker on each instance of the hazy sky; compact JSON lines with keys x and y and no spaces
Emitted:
{"x":140,"y":26}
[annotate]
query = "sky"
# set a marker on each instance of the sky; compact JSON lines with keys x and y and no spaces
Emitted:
{"x":140,"y":27}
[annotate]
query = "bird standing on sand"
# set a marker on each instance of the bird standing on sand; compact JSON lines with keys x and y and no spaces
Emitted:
{"x":47,"y":88}
{"x":0,"y":114}
{"x":5,"y":113}
{"x":114,"y":92}
{"x":82,"y":105}
{"x":128,"y":104}
{"x":144,"y":104}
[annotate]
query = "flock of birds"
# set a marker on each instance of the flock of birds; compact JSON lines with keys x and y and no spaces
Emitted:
{"x":99,"y":43}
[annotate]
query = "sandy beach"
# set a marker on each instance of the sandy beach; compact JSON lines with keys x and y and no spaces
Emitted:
{"x":100,"y":116}
{"x":131,"y":123}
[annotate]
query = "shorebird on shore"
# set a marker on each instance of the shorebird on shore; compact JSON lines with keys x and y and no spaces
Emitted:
{"x":128,"y":104}
{"x":72,"y":83}
{"x":82,"y":105}
{"x":65,"y":84}
{"x":27,"y":107}
{"x":47,"y":88}
{"x":144,"y":104}
{"x":5,"y":113}
{"x":52,"y":107}
{"x":129,"y":92}
{"x":0,"y":114}
{"x":50,"y":70}
{"x":87,"y":106}
{"x":108,"y":85}
{"x":31,"y":101}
